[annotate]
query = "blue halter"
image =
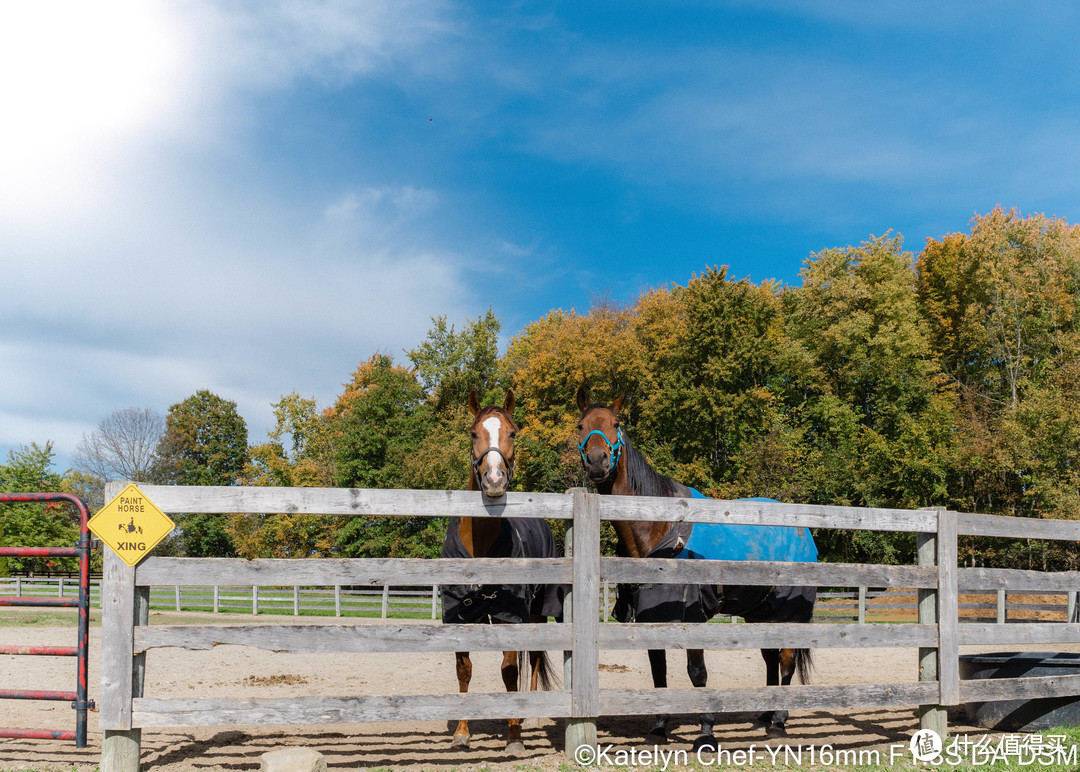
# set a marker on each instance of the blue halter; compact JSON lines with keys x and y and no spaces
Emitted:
{"x":615,"y":450}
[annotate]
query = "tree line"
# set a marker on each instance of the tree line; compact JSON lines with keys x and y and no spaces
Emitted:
{"x":887,"y":379}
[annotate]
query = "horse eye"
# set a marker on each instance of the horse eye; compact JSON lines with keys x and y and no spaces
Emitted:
{"x":579,"y":427}
{"x":513,"y":435}
{"x":473,"y":435}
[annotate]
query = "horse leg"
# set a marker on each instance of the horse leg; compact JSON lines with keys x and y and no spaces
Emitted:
{"x":658,"y":665}
{"x":464,"y":675}
{"x":510,"y":673}
{"x":699,"y":676}
{"x":773,"y":720}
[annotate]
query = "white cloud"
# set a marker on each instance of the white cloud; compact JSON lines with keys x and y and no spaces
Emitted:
{"x":143,"y":268}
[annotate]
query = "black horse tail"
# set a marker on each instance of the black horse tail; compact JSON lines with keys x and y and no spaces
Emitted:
{"x":804,"y":664}
{"x":543,"y":670}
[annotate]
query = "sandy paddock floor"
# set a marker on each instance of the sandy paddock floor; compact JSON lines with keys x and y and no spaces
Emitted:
{"x":237,"y":672}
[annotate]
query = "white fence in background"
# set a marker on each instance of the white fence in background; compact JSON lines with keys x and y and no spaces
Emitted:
{"x":853,"y":605}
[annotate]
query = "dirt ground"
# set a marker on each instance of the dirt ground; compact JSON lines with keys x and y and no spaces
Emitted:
{"x":238,"y":672}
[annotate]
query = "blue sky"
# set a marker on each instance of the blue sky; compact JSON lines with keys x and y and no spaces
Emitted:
{"x":252,"y":197}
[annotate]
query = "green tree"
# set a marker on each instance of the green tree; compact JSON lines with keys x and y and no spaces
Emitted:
{"x":378,"y":424}
{"x":205,"y":443}
{"x":29,"y":469}
{"x":718,"y":369}
{"x":450,"y":364}
{"x":868,"y":394}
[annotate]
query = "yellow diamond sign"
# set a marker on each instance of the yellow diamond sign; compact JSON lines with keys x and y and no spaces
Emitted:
{"x":131,"y":524}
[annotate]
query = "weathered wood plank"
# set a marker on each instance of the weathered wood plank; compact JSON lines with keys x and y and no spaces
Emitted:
{"x":764,"y":513}
{"x":1017,"y":527}
{"x":586,"y":602}
{"x":545,"y":637}
{"x":415,"y":503}
{"x":619,"y":702}
{"x":765,"y":573}
{"x":763,"y":635}
{"x":331,"y":638}
{"x":117,"y":623}
{"x":931,"y":715}
{"x":347,"y":710}
{"x":355,"y":571}
{"x":990,"y":689}
{"x":993,"y":634}
{"x":354,"y":501}
{"x":948,"y":613}
{"x":1016,"y":580}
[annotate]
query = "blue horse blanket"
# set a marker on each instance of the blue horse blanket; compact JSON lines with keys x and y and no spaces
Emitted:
{"x":721,"y":541}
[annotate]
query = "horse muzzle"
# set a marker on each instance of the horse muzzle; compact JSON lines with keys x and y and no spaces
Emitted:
{"x":494,"y":486}
{"x":597,"y":466}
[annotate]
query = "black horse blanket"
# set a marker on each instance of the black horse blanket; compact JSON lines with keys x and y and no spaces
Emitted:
{"x":701,"y":602}
{"x":518,"y":538}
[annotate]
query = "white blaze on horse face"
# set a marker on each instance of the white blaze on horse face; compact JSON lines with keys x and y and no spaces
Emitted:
{"x":490,"y":468}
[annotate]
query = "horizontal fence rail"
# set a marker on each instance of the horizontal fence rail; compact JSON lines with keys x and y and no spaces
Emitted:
{"x":935,"y":585}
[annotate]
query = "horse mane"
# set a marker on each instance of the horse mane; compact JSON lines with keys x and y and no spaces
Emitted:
{"x":645,"y":480}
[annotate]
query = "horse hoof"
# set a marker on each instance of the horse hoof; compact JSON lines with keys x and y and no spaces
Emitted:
{"x":515,"y":749}
{"x":657,"y":734}
{"x":460,"y":741}
{"x":705,"y":743}
{"x":776,"y":730}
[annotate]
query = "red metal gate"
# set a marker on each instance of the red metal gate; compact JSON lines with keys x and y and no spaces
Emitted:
{"x":77,"y":698}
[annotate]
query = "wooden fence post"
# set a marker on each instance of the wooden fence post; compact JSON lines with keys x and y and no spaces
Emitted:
{"x":948,"y":610}
{"x":1002,"y":608}
{"x":121,"y":672}
{"x":861,"y":614}
{"x":584,"y":606}
{"x":385,"y":600}
{"x":930,"y":716}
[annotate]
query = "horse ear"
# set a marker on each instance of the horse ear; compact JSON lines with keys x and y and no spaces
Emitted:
{"x":582,"y":399}
{"x":474,"y":403}
{"x":508,"y":403}
{"x":617,"y":405}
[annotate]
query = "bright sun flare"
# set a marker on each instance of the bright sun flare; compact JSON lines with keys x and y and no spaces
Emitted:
{"x":77,"y":80}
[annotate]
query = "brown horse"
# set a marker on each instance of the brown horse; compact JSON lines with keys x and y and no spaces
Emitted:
{"x":493,"y":431}
{"x":615,"y":467}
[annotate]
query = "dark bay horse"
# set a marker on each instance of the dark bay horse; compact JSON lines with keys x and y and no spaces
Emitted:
{"x":615,"y":467}
{"x":493,"y":431}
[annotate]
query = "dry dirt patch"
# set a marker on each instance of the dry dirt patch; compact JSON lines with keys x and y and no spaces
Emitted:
{"x":240,"y":672}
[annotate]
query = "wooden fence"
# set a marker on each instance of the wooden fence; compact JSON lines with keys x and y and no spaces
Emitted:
{"x":937,"y":633}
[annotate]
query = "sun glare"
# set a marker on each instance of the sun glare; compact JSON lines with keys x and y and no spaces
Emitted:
{"x":78,"y":80}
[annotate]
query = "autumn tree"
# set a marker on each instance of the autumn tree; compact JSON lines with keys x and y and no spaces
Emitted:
{"x":1000,"y":304}
{"x":546,"y":363}
{"x":297,"y":453}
